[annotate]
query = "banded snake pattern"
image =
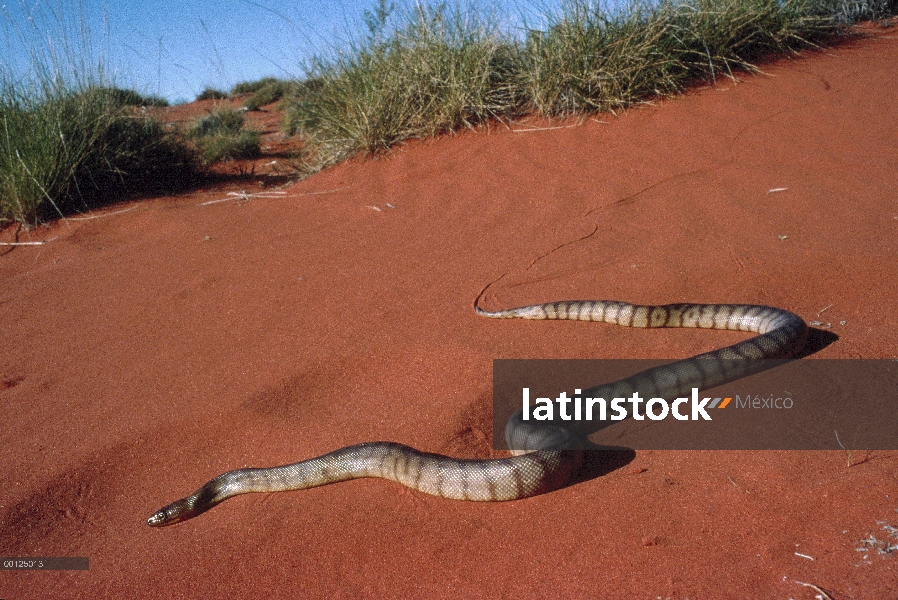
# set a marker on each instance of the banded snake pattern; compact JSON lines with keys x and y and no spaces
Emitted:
{"x":551,"y":455}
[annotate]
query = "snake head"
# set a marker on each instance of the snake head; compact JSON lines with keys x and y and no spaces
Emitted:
{"x":162,"y":517}
{"x":186,"y":508}
{"x":173,"y":513}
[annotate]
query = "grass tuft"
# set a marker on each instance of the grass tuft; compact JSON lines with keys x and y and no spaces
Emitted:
{"x":126,"y":97}
{"x":211,"y":94}
{"x":270,"y":91}
{"x":426,"y":69}
{"x":847,"y":12}
{"x":219,"y":135}
{"x":589,"y":59}
{"x":434,"y":73}
{"x":64,"y":150}
{"x":264,"y":91}
{"x":251,"y":87}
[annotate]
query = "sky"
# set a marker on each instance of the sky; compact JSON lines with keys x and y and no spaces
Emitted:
{"x":176,"y":48}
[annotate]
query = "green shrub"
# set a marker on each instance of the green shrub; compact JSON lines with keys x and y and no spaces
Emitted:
{"x":64,"y":150}
{"x":249,"y":87}
{"x":269,"y":92}
{"x":126,"y":97}
{"x":434,"y":74}
{"x":211,"y":94}
{"x":219,"y":135}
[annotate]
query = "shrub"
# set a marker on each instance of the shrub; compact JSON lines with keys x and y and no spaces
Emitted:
{"x":64,"y":150}
{"x":433,"y":74}
{"x":219,"y":135}
{"x":269,"y":92}
{"x":211,"y":94}
{"x":126,"y":97}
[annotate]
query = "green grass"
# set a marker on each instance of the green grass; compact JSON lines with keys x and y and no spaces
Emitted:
{"x":220,"y":135}
{"x":588,"y":60}
{"x":264,"y":91}
{"x":251,"y":87}
{"x":427,"y":69}
{"x":71,"y":140}
{"x":68,"y":149}
{"x":211,"y":94}
{"x":127,"y":97}
{"x":436,"y":72}
{"x":268,"y":94}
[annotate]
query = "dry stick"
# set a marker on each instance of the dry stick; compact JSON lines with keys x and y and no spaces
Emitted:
{"x":819,"y":312}
{"x":247,"y":197}
{"x":847,"y":451}
{"x":346,"y":187}
{"x":546,"y":128}
{"x":100,"y":216}
{"x":823,"y":594}
{"x":242,"y":195}
{"x":41,"y":243}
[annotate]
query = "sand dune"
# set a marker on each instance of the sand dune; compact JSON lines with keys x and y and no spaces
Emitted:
{"x":147,"y":351}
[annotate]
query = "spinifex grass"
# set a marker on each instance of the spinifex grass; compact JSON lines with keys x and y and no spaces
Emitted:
{"x":429,"y":69}
{"x":69,"y":139}
{"x":65,"y":149}
{"x":435,"y":72}
{"x":264,"y":91}
{"x":590,"y":59}
{"x":220,"y":135}
{"x":417,"y":72}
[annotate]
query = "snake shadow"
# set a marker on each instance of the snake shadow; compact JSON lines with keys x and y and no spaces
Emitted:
{"x":601,"y":460}
{"x":818,"y":339}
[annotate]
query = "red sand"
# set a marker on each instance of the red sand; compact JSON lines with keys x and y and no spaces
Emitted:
{"x":145,"y":352}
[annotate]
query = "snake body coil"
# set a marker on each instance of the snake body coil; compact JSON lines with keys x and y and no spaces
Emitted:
{"x":552,"y":455}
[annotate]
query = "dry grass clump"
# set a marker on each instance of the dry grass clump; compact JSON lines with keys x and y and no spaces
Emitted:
{"x":210,"y":93}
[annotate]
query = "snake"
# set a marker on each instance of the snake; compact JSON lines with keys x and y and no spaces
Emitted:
{"x":545,"y":457}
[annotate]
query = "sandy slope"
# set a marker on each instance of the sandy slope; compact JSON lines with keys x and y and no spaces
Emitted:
{"x":147,"y":351}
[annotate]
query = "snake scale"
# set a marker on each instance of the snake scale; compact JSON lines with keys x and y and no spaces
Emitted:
{"x":551,"y":456}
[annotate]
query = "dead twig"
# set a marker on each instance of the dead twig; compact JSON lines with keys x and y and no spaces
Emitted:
{"x":546,"y":128}
{"x":821,"y":594}
{"x":40,"y":243}
{"x":346,"y":187}
{"x":243,"y":195}
{"x":100,"y":216}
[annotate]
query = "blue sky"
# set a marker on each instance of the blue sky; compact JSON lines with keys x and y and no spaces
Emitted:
{"x":175,"y":48}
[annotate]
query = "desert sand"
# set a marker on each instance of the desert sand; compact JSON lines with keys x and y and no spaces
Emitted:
{"x":158,"y":343}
